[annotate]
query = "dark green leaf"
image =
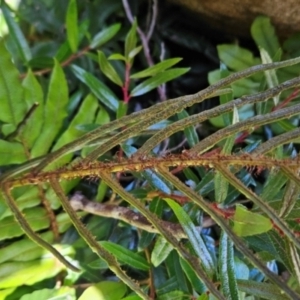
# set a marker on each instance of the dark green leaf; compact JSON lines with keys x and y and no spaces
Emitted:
{"x":99,"y":89}
{"x":105,"y":35}
{"x":108,"y":69}
{"x":72,"y":26}
{"x":16,"y":34}
{"x":157,"y":80}
{"x":126,"y":256}
{"x":189,"y":132}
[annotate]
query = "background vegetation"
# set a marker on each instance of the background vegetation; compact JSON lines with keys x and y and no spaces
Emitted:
{"x":190,"y":198}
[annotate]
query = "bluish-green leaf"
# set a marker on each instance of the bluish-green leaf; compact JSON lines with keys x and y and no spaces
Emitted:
{"x":72,"y":25}
{"x":126,"y":256}
{"x":99,"y":89}
{"x":194,"y":237}
{"x":105,"y":35}
{"x":157,"y":80}
{"x":12,"y":105}
{"x":55,"y":111}
{"x":157,"y":68}
{"x":264,"y":35}
{"x":16,"y":34}
{"x":227,"y":269}
{"x":108,"y":69}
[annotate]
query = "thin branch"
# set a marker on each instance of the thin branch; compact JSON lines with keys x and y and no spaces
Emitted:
{"x":80,"y":202}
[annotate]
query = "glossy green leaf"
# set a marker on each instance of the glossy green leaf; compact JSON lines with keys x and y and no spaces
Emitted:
{"x":12,"y":105}
{"x":157,"y":80}
{"x":126,"y":256}
{"x":227,"y":269}
{"x":105,"y":290}
{"x":157,"y":68}
{"x":16,"y":34}
{"x":160,"y":251}
{"x":33,"y":95}
{"x":99,"y":89}
{"x":11,"y":153}
{"x":55,"y":111}
{"x":264,"y":35}
{"x":134,"y":52}
{"x":108,"y":69}
{"x":105,"y":35}
{"x":247,"y":223}
{"x":72,"y":25}
{"x":130,"y":41}
{"x":193,"y":236}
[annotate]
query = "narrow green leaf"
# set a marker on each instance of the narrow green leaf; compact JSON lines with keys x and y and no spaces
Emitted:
{"x":108,"y":69}
{"x":261,"y":290}
{"x":264,"y":35}
{"x":117,"y":56}
{"x":62,"y":293}
{"x":157,"y":68}
{"x":196,"y":283}
{"x":33,"y":95}
{"x":11,"y":153}
{"x":126,"y":256}
{"x":160,"y":251}
{"x":189,"y":132}
{"x":105,"y":290}
{"x":130,"y":41}
{"x":194,"y":237}
{"x":99,"y":89}
{"x":105,"y":35}
{"x":270,"y":75}
{"x":72,"y":25}
{"x":16,"y":34}
{"x":247,"y":223}
{"x":12,"y":105}
{"x":134,"y":52}
{"x":157,"y":80}
{"x":55,"y":111}
{"x":227,"y":270}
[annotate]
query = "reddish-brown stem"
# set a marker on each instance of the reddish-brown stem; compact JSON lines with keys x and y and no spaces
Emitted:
{"x":125,"y":88}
